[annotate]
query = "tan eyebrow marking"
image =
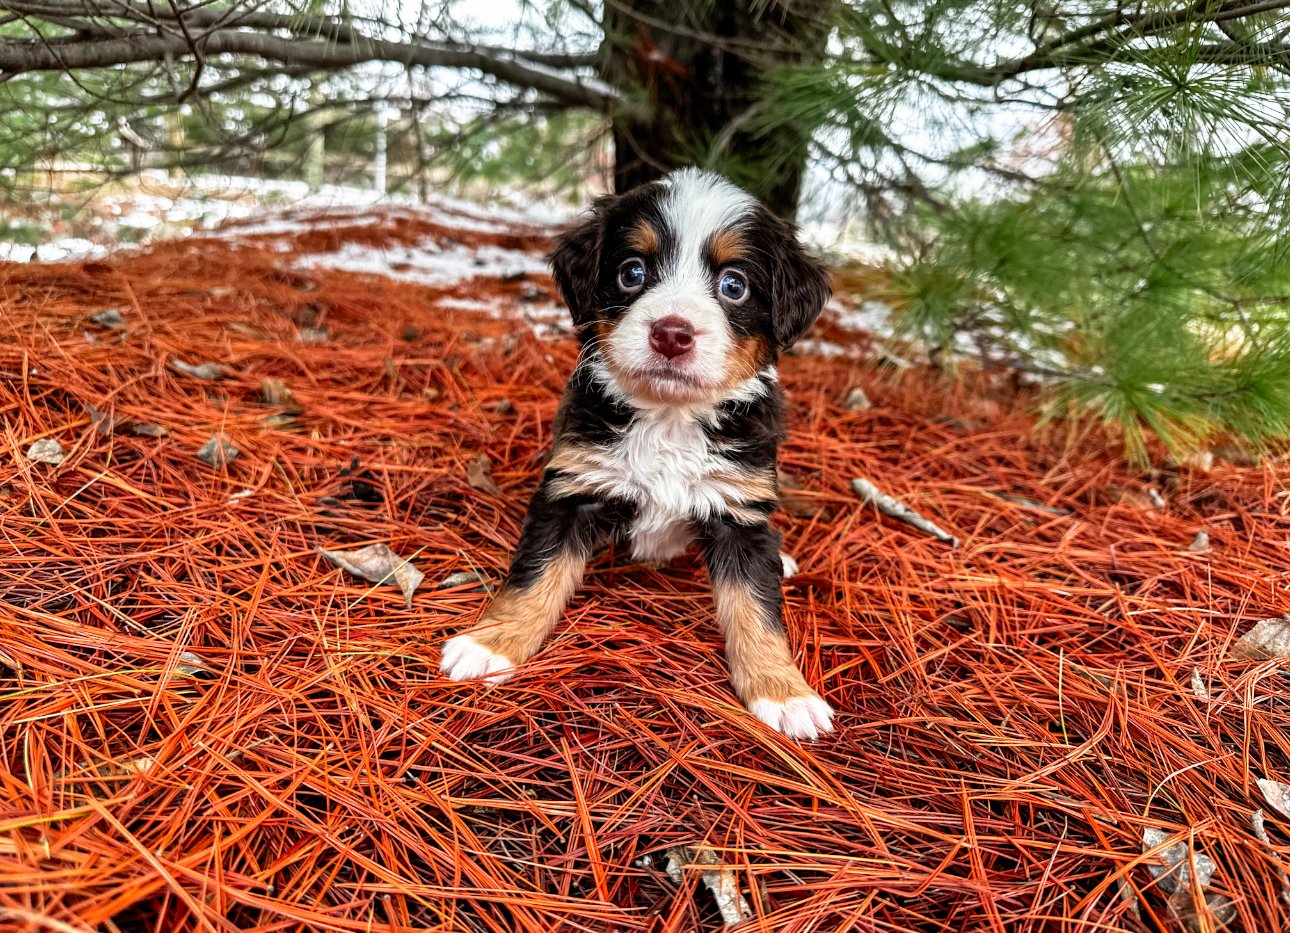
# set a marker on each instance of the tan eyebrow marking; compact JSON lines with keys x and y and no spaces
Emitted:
{"x":643,"y":238}
{"x":727,"y":246}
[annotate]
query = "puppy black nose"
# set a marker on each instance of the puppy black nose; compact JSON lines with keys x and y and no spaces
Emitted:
{"x":672,"y":337}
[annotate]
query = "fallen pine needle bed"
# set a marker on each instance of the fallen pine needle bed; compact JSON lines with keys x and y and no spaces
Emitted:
{"x":206,"y":724}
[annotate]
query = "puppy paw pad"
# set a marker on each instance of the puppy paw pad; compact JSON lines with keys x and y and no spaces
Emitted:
{"x":802,"y":717}
{"x":466,"y":659}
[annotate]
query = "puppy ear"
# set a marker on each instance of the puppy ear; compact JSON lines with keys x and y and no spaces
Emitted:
{"x":801,"y":285}
{"x":575,"y":263}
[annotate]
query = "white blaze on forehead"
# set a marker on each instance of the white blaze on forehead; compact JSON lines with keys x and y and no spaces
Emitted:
{"x":696,"y":205}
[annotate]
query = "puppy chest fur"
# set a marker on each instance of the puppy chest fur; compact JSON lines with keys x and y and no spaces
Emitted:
{"x":667,"y":466}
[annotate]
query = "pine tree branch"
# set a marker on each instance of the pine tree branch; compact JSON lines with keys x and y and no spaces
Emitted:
{"x":1107,"y":40}
{"x":330,"y":45}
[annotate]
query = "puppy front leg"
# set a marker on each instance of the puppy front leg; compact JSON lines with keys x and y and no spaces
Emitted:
{"x":557,"y":537}
{"x":744,"y":564}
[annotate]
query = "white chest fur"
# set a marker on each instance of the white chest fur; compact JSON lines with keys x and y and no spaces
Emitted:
{"x":665,"y":464}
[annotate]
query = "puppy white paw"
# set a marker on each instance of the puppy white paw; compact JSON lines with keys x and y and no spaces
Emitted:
{"x":789,"y":565}
{"x":803,"y":717}
{"x":466,"y":659}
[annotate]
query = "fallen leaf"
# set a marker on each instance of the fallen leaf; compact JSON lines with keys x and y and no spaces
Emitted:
{"x":275,"y":392}
{"x":105,"y":422}
{"x":46,"y":450}
{"x":856,"y":400}
{"x":379,"y":564}
{"x":1171,"y":866}
{"x":718,"y":877}
{"x":191,"y":663}
{"x":150,"y":430}
{"x":206,"y":371}
{"x":218,"y":452}
{"x":479,"y":473}
{"x":1261,"y":833}
{"x":1197,"y":685}
{"x":110,"y":318}
{"x":1276,"y":794}
{"x":1267,"y":639}
{"x":460,"y":578}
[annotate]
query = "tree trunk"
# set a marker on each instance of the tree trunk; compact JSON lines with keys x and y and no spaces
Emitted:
{"x":698,"y":66}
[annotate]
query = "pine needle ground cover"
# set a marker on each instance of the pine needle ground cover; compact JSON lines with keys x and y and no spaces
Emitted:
{"x":1061,"y":724}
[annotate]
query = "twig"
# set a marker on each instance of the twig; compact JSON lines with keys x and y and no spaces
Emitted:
{"x":896,"y":509}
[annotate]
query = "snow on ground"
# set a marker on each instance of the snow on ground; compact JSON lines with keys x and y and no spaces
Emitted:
{"x":245,"y":208}
{"x":429,"y":264}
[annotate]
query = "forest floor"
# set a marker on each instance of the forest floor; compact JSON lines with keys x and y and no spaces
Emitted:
{"x":1064,"y":723}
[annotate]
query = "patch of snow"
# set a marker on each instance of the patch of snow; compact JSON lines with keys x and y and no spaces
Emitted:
{"x":16,"y":252}
{"x":428,"y":264}
{"x":67,"y":249}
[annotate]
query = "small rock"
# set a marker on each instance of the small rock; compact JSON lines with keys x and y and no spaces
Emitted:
{"x":1200,"y":542}
{"x":218,"y":452}
{"x":46,"y":450}
{"x":856,"y":400}
{"x":150,"y":430}
{"x":315,"y":334}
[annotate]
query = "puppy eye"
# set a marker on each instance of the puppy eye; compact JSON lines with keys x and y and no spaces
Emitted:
{"x":631,"y":275}
{"x":733,"y":286}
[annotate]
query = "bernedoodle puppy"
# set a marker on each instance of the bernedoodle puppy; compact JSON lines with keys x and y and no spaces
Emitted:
{"x":683,"y":292}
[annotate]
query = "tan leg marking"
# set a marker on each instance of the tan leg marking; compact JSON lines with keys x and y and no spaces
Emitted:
{"x":762,"y":670}
{"x":515,"y":625}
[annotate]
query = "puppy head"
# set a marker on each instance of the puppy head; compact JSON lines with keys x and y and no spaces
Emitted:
{"x":688,"y":287}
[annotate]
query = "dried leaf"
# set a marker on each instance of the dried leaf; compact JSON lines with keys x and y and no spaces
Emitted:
{"x":218,"y":452}
{"x":379,"y":564}
{"x":150,"y":430}
{"x":1267,"y":639}
{"x":275,"y":392}
{"x":460,"y":578}
{"x":479,"y":473}
{"x":110,"y":318}
{"x":105,"y":422}
{"x":856,"y":400}
{"x":1198,"y":685}
{"x":1261,"y":833}
{"x":717,"y":877}
{"x":206,"y":371}
{"x":46,"y":450}
{"x":899,"y":511}
{"x":1173,"y":864}
{"x":315,"y":334}
{"x":191,"y":663}
{"x":1276,"y":794}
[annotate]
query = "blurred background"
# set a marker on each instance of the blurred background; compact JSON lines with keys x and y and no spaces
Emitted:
{"x":1090,"y":196}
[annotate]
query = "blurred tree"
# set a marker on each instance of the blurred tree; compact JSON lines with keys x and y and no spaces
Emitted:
{"x":1095,"y":191}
